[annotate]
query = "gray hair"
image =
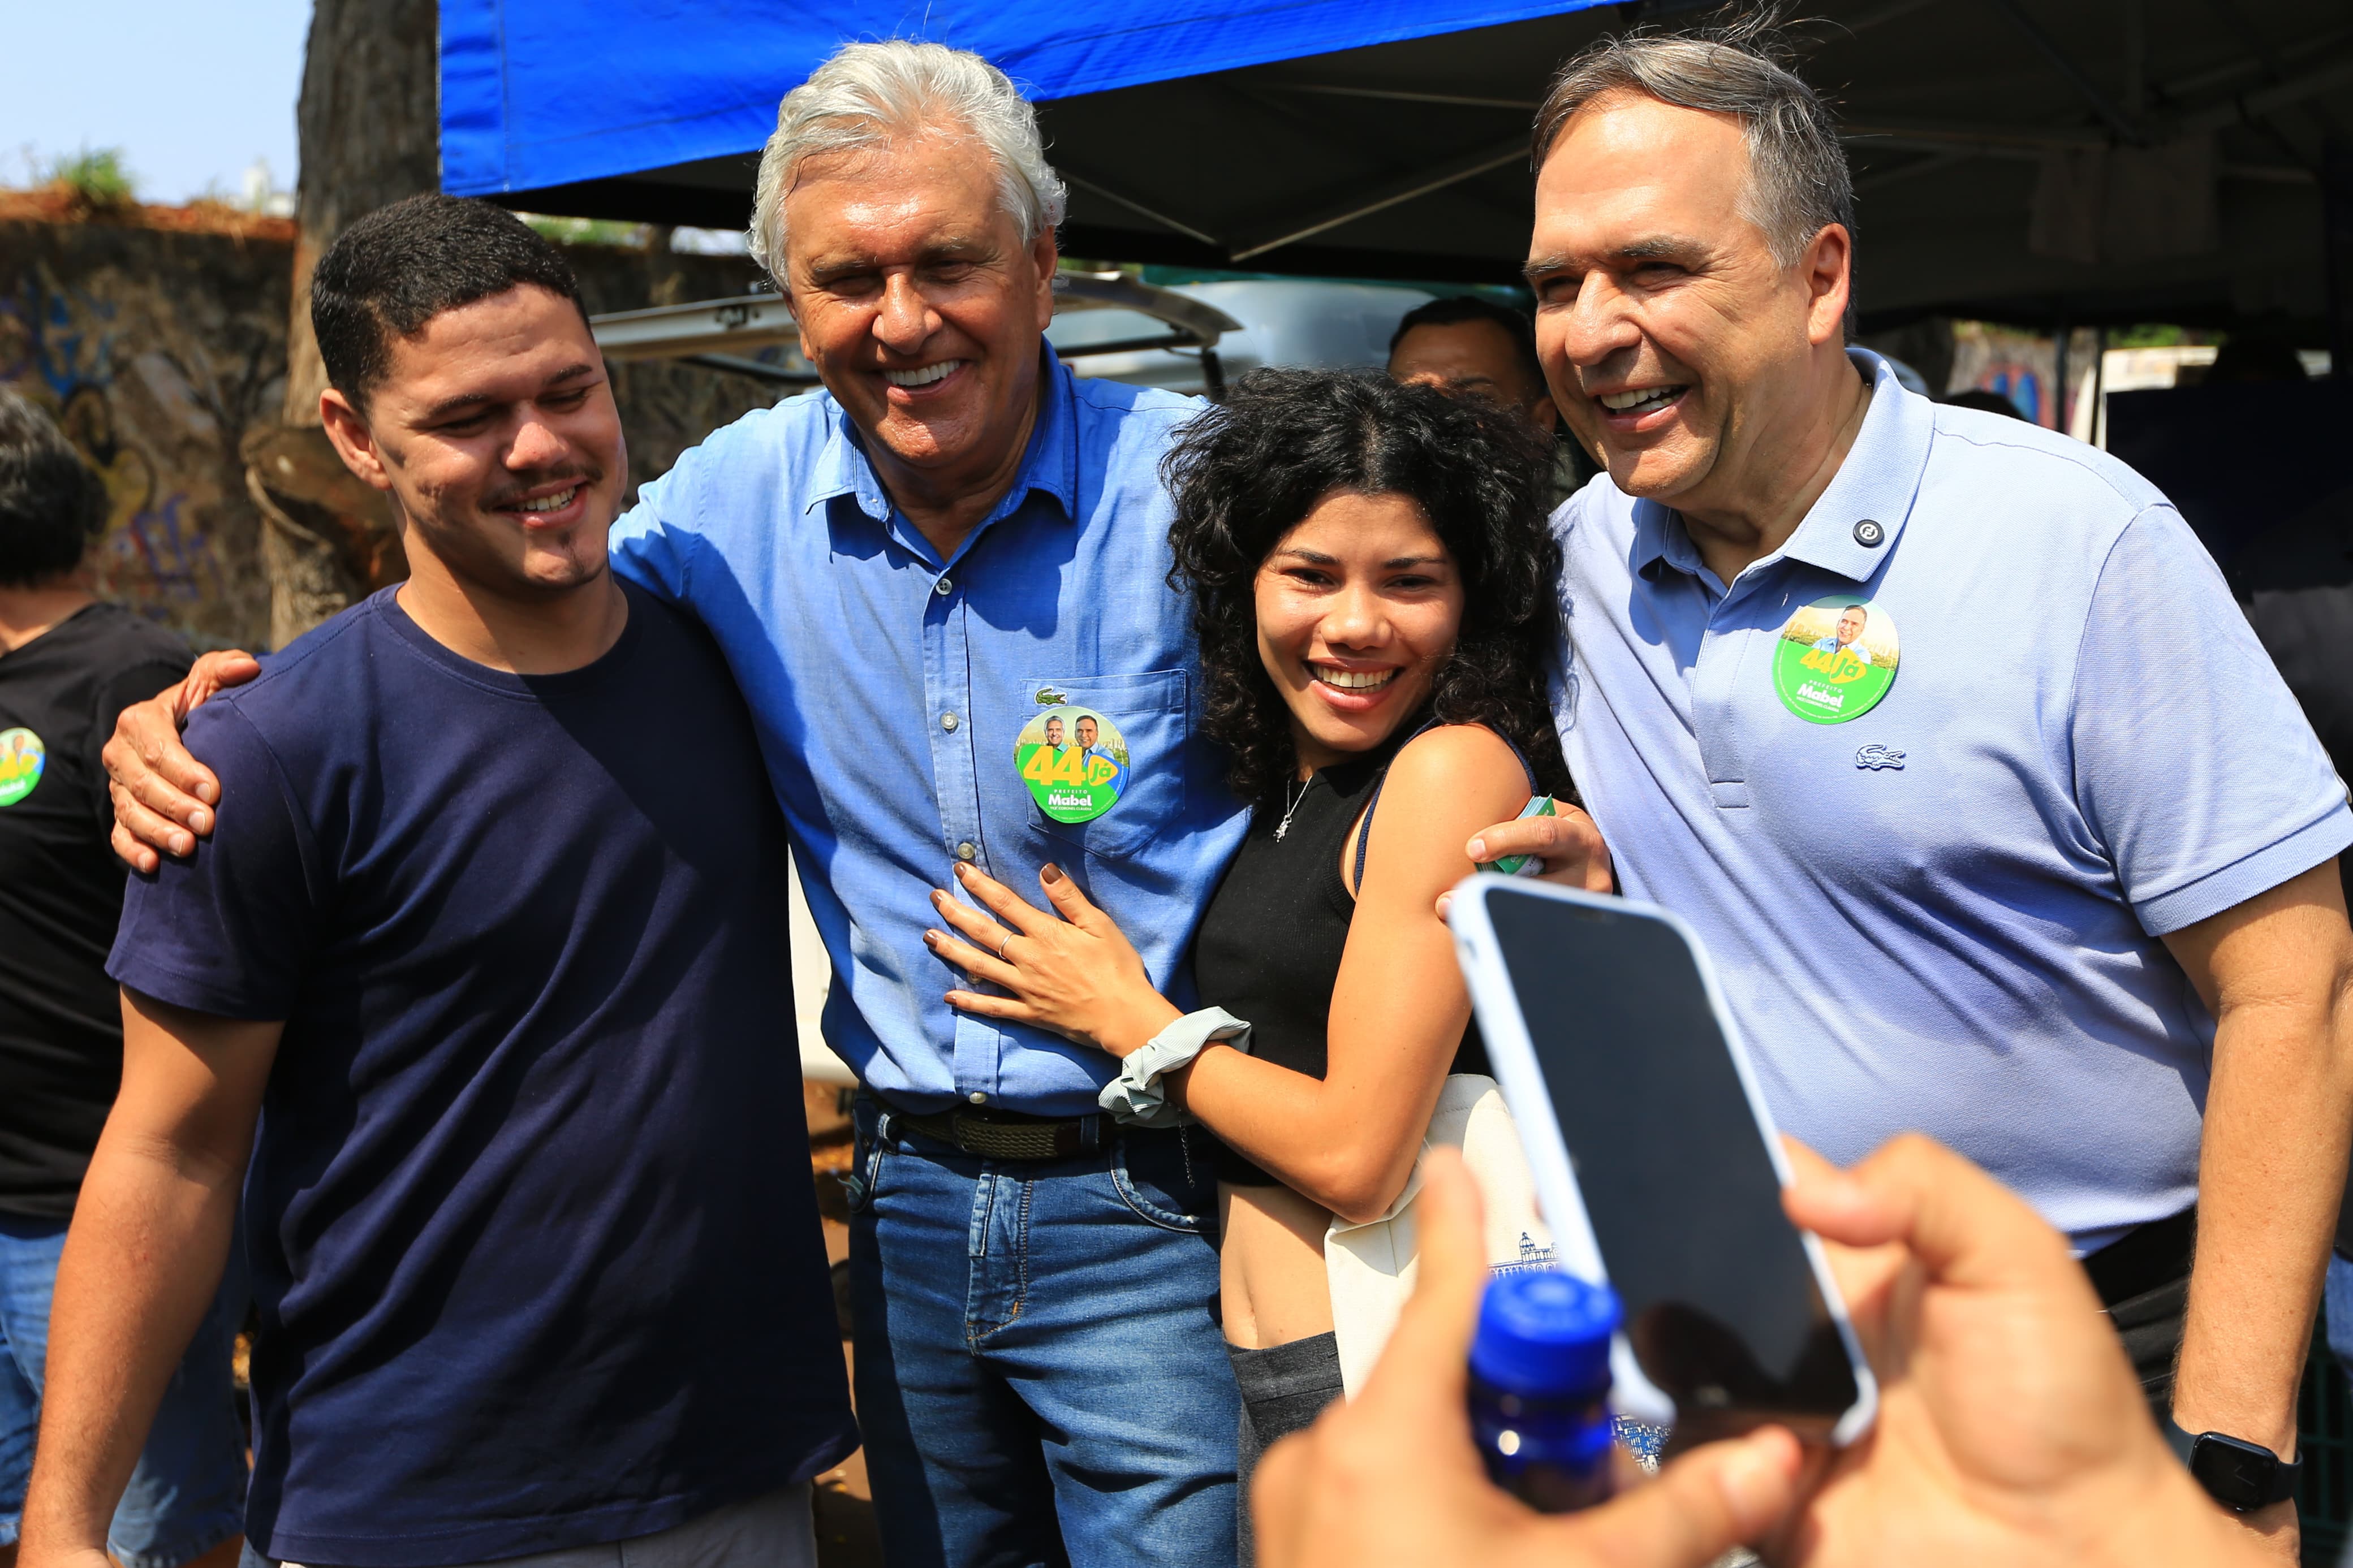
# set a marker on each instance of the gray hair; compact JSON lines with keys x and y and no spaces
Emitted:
{"x":867,"y":95}
{"x":1799,"y":183}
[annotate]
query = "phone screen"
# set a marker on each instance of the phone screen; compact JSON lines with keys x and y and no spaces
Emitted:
{"x":1722,"y":1311}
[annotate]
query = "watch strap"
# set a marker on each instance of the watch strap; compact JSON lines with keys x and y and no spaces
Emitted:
{"x":2239,"y":1475}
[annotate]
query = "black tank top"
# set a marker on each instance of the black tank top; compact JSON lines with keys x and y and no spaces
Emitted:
{"x":1270,"y":947}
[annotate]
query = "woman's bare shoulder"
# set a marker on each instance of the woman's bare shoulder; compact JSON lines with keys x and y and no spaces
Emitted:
{"x":1456,"y":759}
{"x":1444,"y":785}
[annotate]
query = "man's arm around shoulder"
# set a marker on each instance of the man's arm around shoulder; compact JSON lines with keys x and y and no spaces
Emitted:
{"x":163,"y":798}
{"x":150,"y":1237}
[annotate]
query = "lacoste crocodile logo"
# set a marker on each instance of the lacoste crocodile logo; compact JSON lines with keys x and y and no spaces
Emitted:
{"x":1879,"y":757}
{"x":1050,"y":698}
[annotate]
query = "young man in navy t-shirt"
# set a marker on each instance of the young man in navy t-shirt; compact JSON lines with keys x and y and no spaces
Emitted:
{"x":493,"y":950}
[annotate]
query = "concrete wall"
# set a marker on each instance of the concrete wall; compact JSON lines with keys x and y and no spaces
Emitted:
{"x":158,"y":349}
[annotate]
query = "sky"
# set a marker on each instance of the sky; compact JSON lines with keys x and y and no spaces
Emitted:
{"x":191,"y":90}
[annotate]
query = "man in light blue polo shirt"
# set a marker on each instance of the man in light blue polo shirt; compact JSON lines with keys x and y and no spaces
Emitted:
{"x":902,"y":571}
{"x":2052,"y":877}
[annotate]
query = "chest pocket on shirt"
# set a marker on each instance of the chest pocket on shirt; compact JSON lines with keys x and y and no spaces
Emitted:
{"x":1149,"y":711}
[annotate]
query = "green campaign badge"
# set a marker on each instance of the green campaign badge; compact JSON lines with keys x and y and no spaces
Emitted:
{"x":1835,"y":659}
{"x":22,"y":758}
{"x":1074,"y":761}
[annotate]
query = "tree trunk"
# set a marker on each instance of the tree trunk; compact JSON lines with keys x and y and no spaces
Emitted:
{"x":370,"y":133}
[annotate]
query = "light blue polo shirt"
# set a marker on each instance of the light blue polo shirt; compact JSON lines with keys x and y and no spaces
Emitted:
{"x":888,"y":686}
{"x":1942,"y":914}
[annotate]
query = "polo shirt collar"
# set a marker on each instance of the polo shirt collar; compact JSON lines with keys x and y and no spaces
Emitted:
{"x":1878,"y":482}
{"x":1051,"y":465}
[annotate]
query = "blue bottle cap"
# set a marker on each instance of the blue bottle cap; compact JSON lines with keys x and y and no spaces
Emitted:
{"x":1545,"y":1335}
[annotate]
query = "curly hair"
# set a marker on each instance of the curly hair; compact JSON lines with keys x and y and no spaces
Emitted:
{"x":52,"y":503}
{"x":1245,"y":472}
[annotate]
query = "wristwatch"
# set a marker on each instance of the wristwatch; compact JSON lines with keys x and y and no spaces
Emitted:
{"x":2241,"y":1475}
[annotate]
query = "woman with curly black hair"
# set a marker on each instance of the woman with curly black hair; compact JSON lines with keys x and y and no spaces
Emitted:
{"x":1372,"y":575}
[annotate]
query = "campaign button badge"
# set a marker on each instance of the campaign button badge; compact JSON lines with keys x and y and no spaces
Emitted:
{"x":1835,"y":659}
{"x":1074,"y":761}
{"x":22,"y":760}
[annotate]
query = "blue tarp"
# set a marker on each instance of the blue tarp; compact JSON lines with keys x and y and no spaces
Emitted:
{"x":548,"y":92}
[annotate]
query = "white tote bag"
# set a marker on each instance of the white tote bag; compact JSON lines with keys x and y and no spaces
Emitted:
{"x":1370,"y":1266}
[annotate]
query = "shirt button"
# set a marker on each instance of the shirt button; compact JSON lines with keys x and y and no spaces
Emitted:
{"x":966,"y":851}
{"x":978,"y":1097}
{"x":943,"y":587}
{"x":1868,"y":533}
{"x":949,"y":720}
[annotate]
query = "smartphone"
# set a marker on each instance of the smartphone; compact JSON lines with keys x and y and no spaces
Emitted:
{"x":1656,"y":1161}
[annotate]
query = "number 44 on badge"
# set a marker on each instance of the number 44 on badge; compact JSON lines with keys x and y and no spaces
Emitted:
{"x":1835,"y":659}
{"x":1074,"y":761}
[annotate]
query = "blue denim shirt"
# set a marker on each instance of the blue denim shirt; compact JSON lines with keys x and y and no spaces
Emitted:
{"x":889,"y":686}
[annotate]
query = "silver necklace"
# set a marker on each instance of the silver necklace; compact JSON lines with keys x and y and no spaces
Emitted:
{"x":1291,"y":805}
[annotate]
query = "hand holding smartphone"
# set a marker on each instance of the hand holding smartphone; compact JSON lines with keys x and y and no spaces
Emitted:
{"x":1657,"y":1164}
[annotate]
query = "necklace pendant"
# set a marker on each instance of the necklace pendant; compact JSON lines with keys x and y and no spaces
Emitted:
{"x":1281,"y":829}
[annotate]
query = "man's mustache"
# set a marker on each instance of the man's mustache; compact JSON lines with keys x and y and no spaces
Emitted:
{"x":586,"y":474}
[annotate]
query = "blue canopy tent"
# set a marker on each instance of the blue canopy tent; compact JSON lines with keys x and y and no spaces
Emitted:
{"x":2041,"y":161}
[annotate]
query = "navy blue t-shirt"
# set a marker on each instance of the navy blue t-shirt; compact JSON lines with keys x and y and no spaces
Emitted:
{"x":534,"y":1243}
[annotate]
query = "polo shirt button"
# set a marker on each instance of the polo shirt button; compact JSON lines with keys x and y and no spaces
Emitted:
{"x":966,"y":851}
{"x":1869,"y":534}
{"x":949,"y":720}
{"x":978,"y":1097}
{"x":943,"y":587}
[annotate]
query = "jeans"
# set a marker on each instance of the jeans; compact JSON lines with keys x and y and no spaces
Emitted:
{"x":2336,"y":1312}
{"x":188,"y":1494}
{"x":1040,"y":1375}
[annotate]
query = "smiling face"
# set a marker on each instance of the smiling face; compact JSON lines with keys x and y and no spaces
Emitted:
{"x":1358,"y":606}
{"x":919,"y":304}
{"x":495,"y":430}
{"x":1054,"y":734}
{"x":1849,"y":626}
{"x":1087,"y":734}
{"x":1678,"y":350}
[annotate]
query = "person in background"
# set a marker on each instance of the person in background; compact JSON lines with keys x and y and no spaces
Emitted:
{"x":1370,"y":573}
{"x":2010,"y":1430}
{"x":1466,"y":343}
{"x":67,"y":666}
{"x":2251,"y":358}
{"x":2096,"y":867}
{"x":491,"y":943}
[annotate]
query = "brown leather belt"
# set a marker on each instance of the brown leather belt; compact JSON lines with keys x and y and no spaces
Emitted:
{"x":997,"y":1134}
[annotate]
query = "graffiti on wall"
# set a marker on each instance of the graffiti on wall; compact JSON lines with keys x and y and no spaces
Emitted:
{"x":161,"y":350}
{"x":135,"y":380}
{"x":2023,"y":367}
{"x":65,"y":341}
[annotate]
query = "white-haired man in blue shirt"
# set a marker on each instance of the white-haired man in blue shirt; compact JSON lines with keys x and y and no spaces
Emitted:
{"x":902,"y":571}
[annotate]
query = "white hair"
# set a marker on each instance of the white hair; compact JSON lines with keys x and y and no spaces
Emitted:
{"x":869,"y":95}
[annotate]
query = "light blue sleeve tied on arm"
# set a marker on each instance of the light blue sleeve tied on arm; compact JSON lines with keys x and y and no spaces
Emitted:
{"x":1135,"y":1096}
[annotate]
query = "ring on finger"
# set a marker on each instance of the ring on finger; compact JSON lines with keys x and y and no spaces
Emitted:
{"x":1004,"y":941}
